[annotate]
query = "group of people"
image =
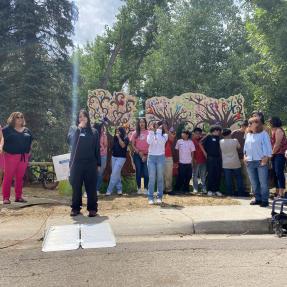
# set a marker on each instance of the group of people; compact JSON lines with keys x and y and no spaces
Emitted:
{"x":244,"y":156}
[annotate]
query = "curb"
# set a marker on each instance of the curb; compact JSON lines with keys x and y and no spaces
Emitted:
{"x":254,"y":226}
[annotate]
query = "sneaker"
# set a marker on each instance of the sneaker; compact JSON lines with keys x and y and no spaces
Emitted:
{"x":159,"y":201}
{"x":145,"y":191}
{"x":195,"y":191}
{"x":120,"y":192}
{"x":204,"y":191}
{"x":108,"y":193}
{"x":6,"y":201}
{"x":150,"y":202}
{"x":139,"y":191}
{"x":210,"y":193}
{"x":218,"y":193}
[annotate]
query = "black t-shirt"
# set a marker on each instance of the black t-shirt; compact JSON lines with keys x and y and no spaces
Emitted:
{"x":16,"y":142}
{"x":212,"y":146}
{"x":118,"y":151}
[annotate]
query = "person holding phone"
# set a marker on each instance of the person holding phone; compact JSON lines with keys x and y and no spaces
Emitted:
{"x":257,"y":152}
{"x":156,"y":139}
{"x":84,"y":164}
{"x":119,"y":156}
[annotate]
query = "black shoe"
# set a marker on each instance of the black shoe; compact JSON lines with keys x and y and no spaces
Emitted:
{"x":74,"y":212}
{"x":264,"y":204}
{"x":92,"y":213}
{"x":255,"y":202}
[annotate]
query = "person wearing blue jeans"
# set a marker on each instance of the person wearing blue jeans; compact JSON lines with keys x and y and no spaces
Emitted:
{"x":279,"y":146}
{"x":231,"y":163}
{"x":156,"y":139}
{"x":228,"y":174}
{"x":257,"y":151}
{"x":119,"y":156}
{"x":155,"y":165}
{"x":101,"y":172}
{"x":115,"y":179}
{"x":141,"y":171}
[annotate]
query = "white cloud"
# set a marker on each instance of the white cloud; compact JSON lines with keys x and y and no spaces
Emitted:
{"x":94,"y":15}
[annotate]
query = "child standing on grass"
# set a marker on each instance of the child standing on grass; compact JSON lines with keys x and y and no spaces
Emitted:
{"x":211,"y":149}
{"x":185,"y":149}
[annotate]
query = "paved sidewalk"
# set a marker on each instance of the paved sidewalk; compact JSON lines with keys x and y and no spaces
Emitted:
{"x":235,"y":219}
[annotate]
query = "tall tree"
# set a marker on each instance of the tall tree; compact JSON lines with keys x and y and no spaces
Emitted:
{"x":36,"y":72}
{"x":267,"y":77}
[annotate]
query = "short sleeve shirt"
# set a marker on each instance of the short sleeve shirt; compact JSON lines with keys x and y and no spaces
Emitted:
{"x":230,"y":158}
{"x":185,"y":149}
{"x":211,"y":146}
{"x":140,"y":142}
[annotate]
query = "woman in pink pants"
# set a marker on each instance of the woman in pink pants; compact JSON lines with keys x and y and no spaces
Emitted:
{"x":16,"y":144}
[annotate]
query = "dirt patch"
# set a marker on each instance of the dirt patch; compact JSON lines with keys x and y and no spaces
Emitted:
{"x":107,"y":205}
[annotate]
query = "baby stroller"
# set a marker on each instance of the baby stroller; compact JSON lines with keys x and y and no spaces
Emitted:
{"x":279,"y":217}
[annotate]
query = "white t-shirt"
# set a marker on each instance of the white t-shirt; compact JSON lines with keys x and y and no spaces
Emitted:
{"x":229,"y":151}
{"x":185,"y":148}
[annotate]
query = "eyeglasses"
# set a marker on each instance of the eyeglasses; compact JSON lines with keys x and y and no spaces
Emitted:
{"x":19,"y":117}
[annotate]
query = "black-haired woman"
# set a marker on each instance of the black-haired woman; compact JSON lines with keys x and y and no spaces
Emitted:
{"x":140,"y":147}
{"x":279,"y":146}
{"x":103,"y":152}
{"x":119,"y":156}
{"x":84,"y":163}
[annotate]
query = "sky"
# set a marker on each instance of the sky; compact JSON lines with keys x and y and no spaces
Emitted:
{"x":93,"y":16}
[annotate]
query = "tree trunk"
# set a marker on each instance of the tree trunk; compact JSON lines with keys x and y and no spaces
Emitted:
{"x":108,"y":72}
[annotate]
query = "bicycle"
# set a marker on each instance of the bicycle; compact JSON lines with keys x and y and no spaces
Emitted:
{"x":42,"y":175}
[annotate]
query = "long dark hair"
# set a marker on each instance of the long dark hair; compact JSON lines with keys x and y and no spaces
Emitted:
{"x":138,"y":128}
{"x":122,"y":132}
{"x":86,"y":114}
{"x":99,"y":128}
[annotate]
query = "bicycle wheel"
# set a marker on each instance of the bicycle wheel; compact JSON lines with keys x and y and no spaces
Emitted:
{"x":49,"y":180}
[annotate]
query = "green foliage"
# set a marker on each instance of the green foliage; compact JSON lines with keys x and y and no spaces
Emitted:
{"x":267,"y":77}
{"x":35,"y":68}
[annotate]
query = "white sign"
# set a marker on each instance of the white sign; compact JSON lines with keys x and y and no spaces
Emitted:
{"x":61,"y":166}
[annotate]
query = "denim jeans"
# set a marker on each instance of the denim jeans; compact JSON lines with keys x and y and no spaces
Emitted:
{"x":155,"y":164}
{"x":101,"y":171}
{"x":258,"y":176}
{"x":141,"y":170}
{"x":184,"y":177}
{"x":115,"y":180}
{"x":199,"y":170}
{"x":168,"y":174}
{"x":278,"y":164}
{"x":214,"y":168}
{"x":228,"y":175}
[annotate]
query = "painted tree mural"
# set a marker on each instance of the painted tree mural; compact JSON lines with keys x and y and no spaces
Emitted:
{"x":208,"y":111}
{"x":118,"y":109}
{"x":196,"y":110}
{"x":174,"y":111}
{"x":114,"y":110}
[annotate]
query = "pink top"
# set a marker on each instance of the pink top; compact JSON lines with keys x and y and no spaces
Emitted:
{"x":140,"y":142}
{"x":1,"y":161}
{"x":103,"y":144}
{"x":185,"y":148}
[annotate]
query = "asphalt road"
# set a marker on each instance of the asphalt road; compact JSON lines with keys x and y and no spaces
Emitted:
{"x":162,"y":261}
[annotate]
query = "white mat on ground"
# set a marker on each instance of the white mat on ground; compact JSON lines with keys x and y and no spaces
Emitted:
{"x":71,"y":237}
{"x":62,"y":238}
{"x":97,"y":236}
